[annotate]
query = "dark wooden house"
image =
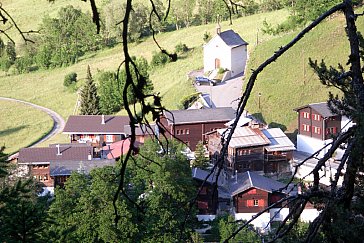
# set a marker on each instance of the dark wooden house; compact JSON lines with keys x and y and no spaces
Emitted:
{"x":39,"y":160}
{"x":253,"y":149}
{"x":190,"y":126}
{"x":317,"y":124}
{"x":207,"y":198}
{"x":251,"y":193}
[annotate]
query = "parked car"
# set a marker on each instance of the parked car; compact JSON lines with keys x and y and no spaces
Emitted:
{"x":204,"y":81}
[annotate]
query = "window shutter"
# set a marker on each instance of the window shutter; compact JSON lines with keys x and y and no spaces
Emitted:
{"x":335,"y":130}
{"x":250,"y":203}
{"x":319,"y":130}
{"x":260,"y":203}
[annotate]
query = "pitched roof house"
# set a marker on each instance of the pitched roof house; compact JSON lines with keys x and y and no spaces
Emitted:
{"x":226,"y":50}
{"x":38,"y":160}
{"x":96,"y":130}
{"x":190,"y":126}
{"x":253,"y":149}
{"x":317,"y":124}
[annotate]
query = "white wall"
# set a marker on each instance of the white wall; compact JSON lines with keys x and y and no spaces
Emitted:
{"x":308,"y":215}
{"x":239,"y":57}
{"x":216,"y":48}
{"x":277,"y":214}
{"x":311,"y":145}
{"x":346,"y":123}
{"x":260,"y":222}
{"x":202,"y":217}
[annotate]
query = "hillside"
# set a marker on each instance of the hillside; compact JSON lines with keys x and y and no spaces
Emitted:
{"x":45,"y":87}
{"x":289,"y":82}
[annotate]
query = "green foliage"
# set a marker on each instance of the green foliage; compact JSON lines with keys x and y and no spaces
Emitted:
{"x":181,"y":48}
{"x":109,"y":91}
{"x":84,"y":210}
{"x":224,"y":225}
{"x":7,"y":55}
{"x":159,"y":59}
{"x":89,"y":98}
{"x":24,"y":64}
{"x":200,"y":159}
{"x":187,"y":101}
{"x":206,"y":37}
{"x":66,"y":38}
{"x":70,"y":79}
{"x":162,"y":183}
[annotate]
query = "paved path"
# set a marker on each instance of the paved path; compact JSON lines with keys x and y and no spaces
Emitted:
{"x":225,"y":94}
{"x":58,"y":122}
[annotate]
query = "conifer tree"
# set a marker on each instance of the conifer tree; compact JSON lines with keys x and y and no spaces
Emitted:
{"x":200,"y":160}
{"x":89,"y":97}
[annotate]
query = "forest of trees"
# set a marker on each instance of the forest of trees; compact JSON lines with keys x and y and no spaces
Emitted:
{"x":150,"y":197}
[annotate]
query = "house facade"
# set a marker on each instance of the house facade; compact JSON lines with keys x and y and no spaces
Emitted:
{"x":96,"y":130}
{"x":316,"y":127}
{"x":38,"y":161}
{"x":253,"y":149}
{"x":226,"y":50}
{"x":252,"y":193}
{"x":190,"y":126}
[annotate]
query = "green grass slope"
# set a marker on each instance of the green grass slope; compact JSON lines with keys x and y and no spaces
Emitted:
{"x":21,"y":125}
{"x":289,"y":82}
{"x":45,"y":87}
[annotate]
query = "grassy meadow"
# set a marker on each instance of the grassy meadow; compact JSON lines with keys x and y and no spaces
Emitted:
{"x":290,"y":82}
{"x":45,"y":87}
{"x":21,"y":125}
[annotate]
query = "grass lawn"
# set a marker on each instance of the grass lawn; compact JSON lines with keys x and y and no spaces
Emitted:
{"x":21,"y":125}
{"x":290,"y":82}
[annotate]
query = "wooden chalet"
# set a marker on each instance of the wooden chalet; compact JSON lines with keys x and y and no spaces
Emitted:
{"x":39,"y":160}
{"x":97,"y":130}
{"x":207,"y":198}
{"x":317,"y":125}
{"x":190,"y":126}
{"x":253,"y":149}
{"x":251,"y":193}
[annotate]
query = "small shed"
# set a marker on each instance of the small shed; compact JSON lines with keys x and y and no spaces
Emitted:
{"x":226,"y":50}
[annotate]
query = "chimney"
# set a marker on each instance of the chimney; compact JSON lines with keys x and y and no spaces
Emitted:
{"x":58,"y":150}
{"x":194,"y":173}
{"x":102,"y":119}
{"x":218,"y":27}
{"x":89,"y":157}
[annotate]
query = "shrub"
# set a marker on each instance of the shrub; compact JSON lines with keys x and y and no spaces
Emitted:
{"x":187,"y":101}
{"x":221,"y":70}
{"x":181,"y":48}
{"x":206,"y":37}
{"x":70,"y":79}
{"x":159,"y":59}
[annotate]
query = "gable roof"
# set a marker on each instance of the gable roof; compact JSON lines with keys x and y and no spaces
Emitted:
{"x":278,"y":140}
{"x":250,"y":179}
{"x":321,"y":108}
{"x":141,"y":130}
{"x":232,"y":39}
{"x":115,"y":150}
{"x":200,"y":174}
{"x":220,"y":114}
{"x":65,"y":168}
{"x":246,"y":137}
{"x":48,"y":154}
{"x":92,"y":124}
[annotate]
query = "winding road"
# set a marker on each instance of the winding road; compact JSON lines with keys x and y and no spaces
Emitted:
{"x":58,"y":122}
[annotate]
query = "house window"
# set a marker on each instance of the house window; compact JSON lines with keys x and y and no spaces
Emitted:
{"x":305,"y":127}
{"x":45,"y":177}
{"x":109,"y":138}
{"x":187,"y":131}
{"x":256,"y":202}
{"x":306,"y":115}
{"x":316,"y":117}
{"x":317,"y":130}
{"x":331,"y":130}
{"x":203,"y":191}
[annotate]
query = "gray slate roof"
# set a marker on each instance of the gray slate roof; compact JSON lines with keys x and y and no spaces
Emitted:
{"x":320,"y":108}
{"x":93,"y":125}
{"x":200,"y":174}
{"x":232,"y":39}
{"x":140,"y":130}
{"x":250,"y":179}
{"x":63,"y":168}
{"x":221,"y":114}
{"x":68,"y":152}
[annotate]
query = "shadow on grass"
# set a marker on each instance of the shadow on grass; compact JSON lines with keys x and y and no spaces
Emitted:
{"x":9,"y":131}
